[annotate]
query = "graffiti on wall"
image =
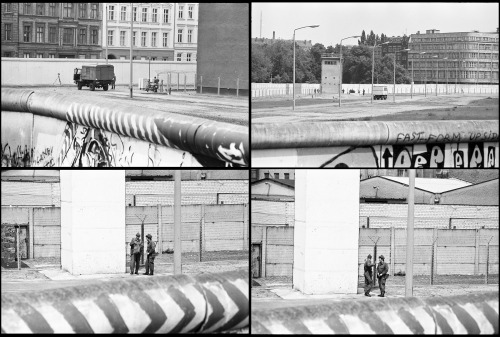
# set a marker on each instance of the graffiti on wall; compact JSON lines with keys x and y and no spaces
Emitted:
{"x":447,"y":155}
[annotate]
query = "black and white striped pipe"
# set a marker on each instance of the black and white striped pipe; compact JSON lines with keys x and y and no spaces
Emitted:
{"x":465,"y":314}
{"x":217,"y":140}
{"x":158,"y":304}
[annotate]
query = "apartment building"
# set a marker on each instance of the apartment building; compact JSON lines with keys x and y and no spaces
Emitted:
{"x":396,"y":46}
{"x":455,"y":57}
{"x":51,"y":30}
{"x":161,"y":31}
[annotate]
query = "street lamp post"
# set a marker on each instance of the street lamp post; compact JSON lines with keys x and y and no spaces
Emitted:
{"x":437,"y":74}
{"x":425,"y":76}
{"x":293,"y":84}
{"x":446,"y":73}
{"x":340,"y":78}
{"x":373,"y":69}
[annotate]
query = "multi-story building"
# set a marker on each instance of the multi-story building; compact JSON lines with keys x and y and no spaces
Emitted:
{"x":460,"y":57}
{"x":396,"y":46}
{"x":51,"y":30}
{"x":161,"y":31}
{"x":304,"y":44}
{"x":258,"y":174}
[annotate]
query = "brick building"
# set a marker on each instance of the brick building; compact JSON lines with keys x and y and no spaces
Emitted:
{"x":396,"y":46}
{"x":51,"y":30}
{"x":461,"y":57}
{"x":162,"y":31}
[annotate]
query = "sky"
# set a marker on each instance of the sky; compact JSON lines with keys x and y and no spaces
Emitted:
{"x":339,"y":20}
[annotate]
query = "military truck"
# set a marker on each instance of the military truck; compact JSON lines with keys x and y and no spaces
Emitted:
{"x":380,"y":92}
{"x":94,"y":76}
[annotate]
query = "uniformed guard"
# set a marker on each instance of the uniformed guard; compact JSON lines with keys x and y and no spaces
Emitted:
{"x":368,"y":275}
{"x":136,"y":249}
{"x":382,"y":274}
{"x":151,"y":253}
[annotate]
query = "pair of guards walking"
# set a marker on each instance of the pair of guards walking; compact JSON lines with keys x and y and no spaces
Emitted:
{"x":382,"y":275}
{"x":136,"y":249}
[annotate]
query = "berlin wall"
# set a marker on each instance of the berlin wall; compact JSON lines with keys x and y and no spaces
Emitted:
{"x":405,"y":144}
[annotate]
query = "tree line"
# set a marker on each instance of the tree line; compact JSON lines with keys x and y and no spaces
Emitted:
{"x":273,"y":63}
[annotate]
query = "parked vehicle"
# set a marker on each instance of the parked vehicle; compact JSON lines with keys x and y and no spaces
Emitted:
{"x":380,"y":92}
{"x":94,"y":76}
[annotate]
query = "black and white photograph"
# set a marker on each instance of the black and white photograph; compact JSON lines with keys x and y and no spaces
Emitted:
{"x":374,"y":251}
{"x":389,"y":85}
{"x":125,"y":85}
{"x":115,"y":251}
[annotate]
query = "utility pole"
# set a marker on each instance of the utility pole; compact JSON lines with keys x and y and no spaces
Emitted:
{"x":409,"y":235}
{"x":177,"y":223}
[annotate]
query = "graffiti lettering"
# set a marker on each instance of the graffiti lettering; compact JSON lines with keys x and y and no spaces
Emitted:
{"x":439,"y":155}
{"x":421,"y":137}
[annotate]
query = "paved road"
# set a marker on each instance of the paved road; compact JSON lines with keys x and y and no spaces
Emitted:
{"x":356,"y":108}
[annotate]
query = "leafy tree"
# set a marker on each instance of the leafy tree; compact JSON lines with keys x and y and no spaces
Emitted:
{"x":363,"y":38}
{"x":261,"y":65}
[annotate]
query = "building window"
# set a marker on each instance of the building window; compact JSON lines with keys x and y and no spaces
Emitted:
{"x":276,"y":176}
{"x":181,"y":9}
{"x":153,"y":39}
{"x":190,"y":35}
{"x":179,"y":56}
{"x":27,"y":9}
{"x":111,"y":12}
{"x":82,"y":10}
{"x":143,"y":39}
{"x":93,"y":11}
{"x":133,"y":38}
{"x":266,"y":175}
{"x":8,"y":31}
{"x":68,"y":36}
{"x":188,"y":57}
{"x":179,"y":35}
{"x":190,"y":12}
{"x":26,"y":55}
{"x":110,"y":37}
{"x":27,"y":33}
{"x":165,"y":15}
{"x":165,"y":39}
{"x":122,"y":38}
{"x":144,"y":15}
{"x":82,"y":36}
{"x":52,"y":35}
{"x":401,"y":173}
{"x":155,"y":15}
{"x":68,"y":9}
{"x":135,"y":14}
{"x":287,"y":175}
{"x":39,"y":8}
{"x":39,"y":55}
{"x":40,"y":32}
{"x":8,"y":8}
{"x":95,"y":35}
{"x":123,"y":14}
{"x":52,"y":9}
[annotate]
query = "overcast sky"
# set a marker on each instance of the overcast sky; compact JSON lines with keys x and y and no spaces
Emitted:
{"x":340,"y":20}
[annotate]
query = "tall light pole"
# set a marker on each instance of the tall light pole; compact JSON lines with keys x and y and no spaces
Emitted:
{"x":373,"y":69}
{"x":340,"y":78}
{"x":409,"y":235}
{"x":456,"y":76}
{"x":425,"y":76}
{"x":437,"y":74}
{"x":394,"y":78}
{"x":446,"y":72}
{"x":411,"y":93}
{"x":293,"y":84}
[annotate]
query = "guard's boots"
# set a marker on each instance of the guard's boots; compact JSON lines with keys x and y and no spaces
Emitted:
{"x":367,"y":294}
{"x":151,"y":269}
{"x":381,"y":294}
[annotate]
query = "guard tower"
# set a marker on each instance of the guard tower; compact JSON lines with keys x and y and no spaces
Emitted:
{"x":330,"y":73}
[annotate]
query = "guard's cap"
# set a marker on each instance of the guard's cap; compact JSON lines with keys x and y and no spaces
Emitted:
{"x":369,"y":256}
{"x":149,"y":236}
{"x":382,"y":257}
{"x":138,"y":234}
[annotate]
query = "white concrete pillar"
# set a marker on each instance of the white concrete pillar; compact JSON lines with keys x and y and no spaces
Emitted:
{"x":93,"y":221}
{"x":326,"y":231}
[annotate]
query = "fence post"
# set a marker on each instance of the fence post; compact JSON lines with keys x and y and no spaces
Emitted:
{"x":393,"y":246}
{"x":32,"y":232}
{"x":375,"y":258}
{"x":237,"y":86}
{"x":178,"y":80}
{"x":476,"y":251}
{"x":201,"y":84}
{"x":160,"y":231}
{"x":18,"y":253}
{"x":264,"y":252}
{"x":184,"y":82}
{"x":245,"y":227}
{"x":487,"y":261}
{"x":433,"y":252}
{"x":218,"y":86}
{"x":202,"y":230}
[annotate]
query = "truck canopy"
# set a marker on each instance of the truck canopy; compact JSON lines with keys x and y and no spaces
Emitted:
{"x":101,"y":72}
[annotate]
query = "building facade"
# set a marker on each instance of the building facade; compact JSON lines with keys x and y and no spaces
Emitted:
{"x":52,"y":30}
{"x":161,"y":31}
{"x":396,"y":46}
{"x":259,"y":174}
{"x":457,"y":57}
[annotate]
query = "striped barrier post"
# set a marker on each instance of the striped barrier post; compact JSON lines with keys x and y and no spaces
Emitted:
{"x":158,"y":304}
{"x":465,"y":314}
